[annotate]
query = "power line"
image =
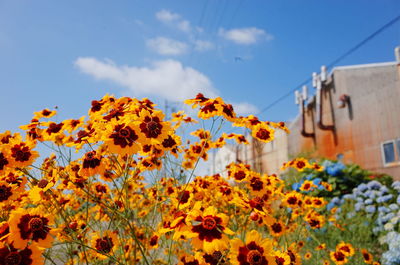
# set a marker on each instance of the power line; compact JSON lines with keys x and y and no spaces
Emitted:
{"x":334,"y":62}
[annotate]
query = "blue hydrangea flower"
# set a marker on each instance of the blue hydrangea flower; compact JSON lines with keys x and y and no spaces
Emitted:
{"x":375,"y":185}
{"x":296,"y":186}
{"x":335,"y":169}
{"x":383,"y":209}
{"x":393,"y":207}
{"x":370,"y":209}
{"x":384,"y":189}
{"x":358,"y":206}
{"x":387,"y":217}
{"x":396,"y":185}
{"x":362,"y":187}
{"x":385,"y":198}
{"x":368,"y":201}
{"x":349,"y":197}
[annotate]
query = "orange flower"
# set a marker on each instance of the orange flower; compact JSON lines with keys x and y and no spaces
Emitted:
{"x":210,"y":108}
{"x":368,"y":258}
{"x":30,"y":255}
{"x":30,"y":225}
{"x":21,"y":153}
{"x":307,"y":256}
{"x":105,"y":244}
{"x":4,"y":161}
{"x":123,"y":138}
{"x":92,"y":164}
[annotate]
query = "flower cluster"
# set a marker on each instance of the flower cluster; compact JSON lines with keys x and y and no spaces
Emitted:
{"x":392,"y":256}
{"x":334,"y":169}
{"x":120,"y":188}
{"x":381,"y":205}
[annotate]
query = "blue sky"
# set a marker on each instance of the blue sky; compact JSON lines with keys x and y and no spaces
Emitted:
{"x":67,"y":53}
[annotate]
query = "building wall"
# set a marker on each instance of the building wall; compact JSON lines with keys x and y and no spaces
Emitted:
{"x":372,"y":118}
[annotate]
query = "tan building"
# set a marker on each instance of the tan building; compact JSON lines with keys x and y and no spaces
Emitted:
{"x":355,"y":114}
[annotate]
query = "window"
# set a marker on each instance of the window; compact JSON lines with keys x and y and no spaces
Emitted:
{"x":398,"y":147}
{"x":391,"y":152}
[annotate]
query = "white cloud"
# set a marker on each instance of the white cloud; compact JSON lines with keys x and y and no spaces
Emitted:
{"x":168,"y":79}
{"x":165,"y":46}
{"x":202,"y":45}
{"x":244,"y":108}
{"x":174,"y":19}
{"x":184,"y":26}
{"x":245,"y":36}
{"x":167,"y":16}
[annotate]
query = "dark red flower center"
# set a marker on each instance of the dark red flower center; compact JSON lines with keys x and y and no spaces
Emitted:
{"x":33,"y":227}
{"x":239,"y":175}
{"x":153,"y":240}
{"x":43,"y":183}
{"x":169,"y":142}
{"x":300,"y":164}
{"x":54,"y":128}
{"x":254,"y":257}
{"x":21,"y":152}
{"x":279,"y":260}
{"x":314,"y":223}
{"x":209,"y":108}
{"x":345,"y":249}
{"x":3,"y":161}
{"x":366,"y":256}
{"x":256,"y":184}
{"x":184,"y":197}
{"x":124,"y":132}
{"x":339,"y":256}
{"x":228,"y":110}
{"x":96,"y":106}
{"x":124,"y":135}
{"x":263,"y":134}
{"x":104,"y":245}
{"x":151,"y":127}
{"x":209,"y":223}
{"x":14,"y":258}
{"x":90,"y":160}
{"x":46,"y":112}
{"x":276,"y":227}
{"x":292,"y":200}
{"x":5,"y":193}
{"x":36,"y":224}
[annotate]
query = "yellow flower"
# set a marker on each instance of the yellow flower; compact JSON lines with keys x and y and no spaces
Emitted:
{"x":345,"y":248}
{"x":338,"y":257}
{"x":262,"y":132}
{"x":209,"y":229}
{"x":255,"y":250}
{"x":105,"y":243}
